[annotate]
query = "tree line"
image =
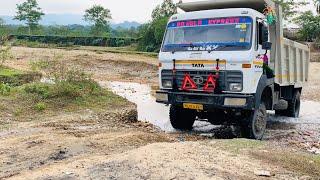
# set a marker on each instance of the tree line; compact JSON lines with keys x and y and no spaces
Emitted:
{"x":150,"y":34}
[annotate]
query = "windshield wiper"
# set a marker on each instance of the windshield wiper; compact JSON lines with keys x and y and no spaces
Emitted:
{"x":223,"y":46}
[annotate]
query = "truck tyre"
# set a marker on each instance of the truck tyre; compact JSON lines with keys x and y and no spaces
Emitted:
{"x":181,"y":119}
{"x":293,"y":109}
{"x":294,"y":105}
{"x":255,"y":126}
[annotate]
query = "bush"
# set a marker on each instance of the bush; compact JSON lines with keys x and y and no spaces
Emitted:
{"x":63,"y":89}
{"x":40,"y":106}
{"x":66,"y":82}
{"x":5,"y":89}
{"x":39,"y":89}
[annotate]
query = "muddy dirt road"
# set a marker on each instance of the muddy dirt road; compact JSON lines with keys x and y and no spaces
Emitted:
{"x":101,"y":145}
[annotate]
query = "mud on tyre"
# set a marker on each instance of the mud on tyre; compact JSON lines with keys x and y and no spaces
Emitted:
{"x":255,"y":126}
{"x":293,"y":109}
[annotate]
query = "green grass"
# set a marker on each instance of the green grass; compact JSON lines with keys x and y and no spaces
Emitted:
{"x":14,"y":77}
{"x":303,"y":163}
{"x":126,"y":49}
{"x":235,"y":146}
{"x":5,"y":71}
{"x":296,"y":161}
{"x":36,"y":99}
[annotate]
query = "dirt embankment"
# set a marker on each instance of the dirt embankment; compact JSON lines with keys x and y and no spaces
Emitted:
{"x":55,"y":143}
{"x":103,"y":66}
{"x":100,"y":145}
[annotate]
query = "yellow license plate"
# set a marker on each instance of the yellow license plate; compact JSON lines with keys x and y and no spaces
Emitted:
{"x":193,"y":106}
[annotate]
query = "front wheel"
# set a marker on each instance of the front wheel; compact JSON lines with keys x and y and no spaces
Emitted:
{"x":256,"y":124}
{"x":182,"y":119}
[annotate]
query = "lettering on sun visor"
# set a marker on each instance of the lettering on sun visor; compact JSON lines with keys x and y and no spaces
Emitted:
{"x":206,"y":22}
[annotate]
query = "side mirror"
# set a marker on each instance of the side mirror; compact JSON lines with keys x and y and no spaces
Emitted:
{"x":266,"y":45}
{"x":265,"y":34}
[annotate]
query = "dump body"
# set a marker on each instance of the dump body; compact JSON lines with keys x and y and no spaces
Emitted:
{"x":292,"y":67}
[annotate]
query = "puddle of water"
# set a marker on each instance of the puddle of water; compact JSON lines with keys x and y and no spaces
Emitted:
{"x":148,"y":109}
{"x":158,"y":114}
{"x":309,"y":114}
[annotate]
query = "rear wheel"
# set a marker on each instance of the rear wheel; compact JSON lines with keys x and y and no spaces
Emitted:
{"x":294,"y":106}
{"x":255,"y":126}
{"x":293,"y":109}
{"x":182,"y":119}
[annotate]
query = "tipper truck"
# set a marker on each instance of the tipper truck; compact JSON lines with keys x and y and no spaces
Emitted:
{"x":227,"y":62}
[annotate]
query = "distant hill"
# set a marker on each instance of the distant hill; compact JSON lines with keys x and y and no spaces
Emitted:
{"x":68,"y":19}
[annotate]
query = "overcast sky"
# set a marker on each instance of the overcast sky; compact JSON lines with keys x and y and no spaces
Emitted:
{"x":130,"y":10}
{"x":122,"y":10}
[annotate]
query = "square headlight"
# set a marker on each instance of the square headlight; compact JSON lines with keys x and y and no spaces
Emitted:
{"x":235,"y":87}
{"x":162,"y":97}
{"x":166,"y":83}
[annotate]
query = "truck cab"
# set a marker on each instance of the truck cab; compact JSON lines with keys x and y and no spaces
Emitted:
{"x":219,"y":61}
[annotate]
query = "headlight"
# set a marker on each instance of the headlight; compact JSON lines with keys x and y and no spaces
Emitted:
{"x":161,"y":97}
{"x":167,"y":83}
{"x":235,"y":87}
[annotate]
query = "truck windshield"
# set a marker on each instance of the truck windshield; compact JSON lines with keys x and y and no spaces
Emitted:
{"x":218,"y":34}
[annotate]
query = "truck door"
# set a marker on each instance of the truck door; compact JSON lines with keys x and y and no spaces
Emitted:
{"x":262,"y":36}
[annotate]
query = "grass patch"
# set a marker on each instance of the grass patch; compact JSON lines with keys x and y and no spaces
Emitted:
{"x":237,"y":145}
{"x":5,"y":71}
{"x":15,"y":77}
{"x":305,"y":164}
{"x":126,"y":49}
{"x":69,"y":90}
{"x":84,"y":94}
{"x":117,"y":50}
{"x":35,"y":44}
{"x":40,"y":98}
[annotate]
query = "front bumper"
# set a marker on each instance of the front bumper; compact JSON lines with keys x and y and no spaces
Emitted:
{"x":209,"y":101}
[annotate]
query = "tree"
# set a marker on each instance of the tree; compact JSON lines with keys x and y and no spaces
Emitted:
{"x":290,"y":7}
{"x":99,"y":16}
{"x":310,"y":26}
{"x":151,"y":34}
{"x":166,"y":9}
{"x":30,"y":12}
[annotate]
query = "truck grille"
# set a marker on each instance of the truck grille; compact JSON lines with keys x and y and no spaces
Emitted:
{"x":225,"y":77}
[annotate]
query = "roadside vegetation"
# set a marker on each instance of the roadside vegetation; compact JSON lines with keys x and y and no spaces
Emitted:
{"x":50,"y":87}
{"x":71,"y":91}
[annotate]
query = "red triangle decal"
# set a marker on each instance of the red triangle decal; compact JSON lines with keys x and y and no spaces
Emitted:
{"x":210,"y":85}
{"x":188,"y":83}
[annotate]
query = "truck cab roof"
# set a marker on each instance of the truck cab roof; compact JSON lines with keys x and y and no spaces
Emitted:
{"x":216,"y":13}
{"x":258,"y":5}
